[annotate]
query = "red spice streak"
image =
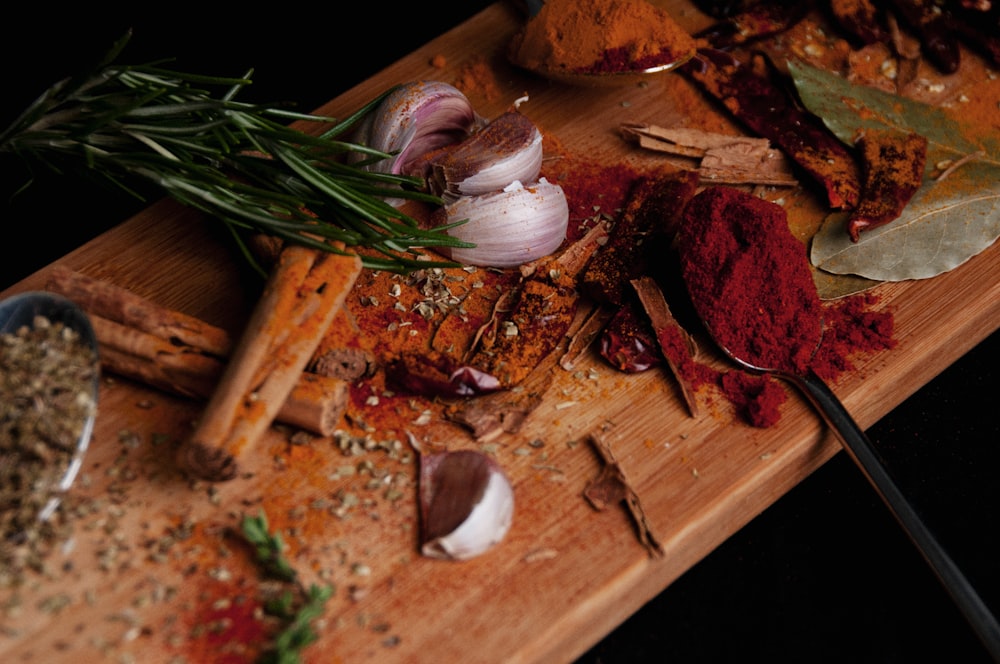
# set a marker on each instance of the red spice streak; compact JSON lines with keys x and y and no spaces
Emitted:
{"x":591,"y":190}
{"x":233,"y":633}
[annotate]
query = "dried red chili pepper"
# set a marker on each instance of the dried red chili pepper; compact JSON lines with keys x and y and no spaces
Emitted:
{"x":760,"y":20}
{"x":893,"y":164}
{"x":768,"y":110}
{"x":432,"y":373}
{"x":648,"y":221}
{"x":978,"y":25}
{"x":628,"y":343}
{"x":723,"y":8}
{"x":937,"y":39}
{"x":861,"y":19}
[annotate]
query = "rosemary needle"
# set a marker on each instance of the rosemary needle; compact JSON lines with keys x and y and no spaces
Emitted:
{"x":238,"y":162}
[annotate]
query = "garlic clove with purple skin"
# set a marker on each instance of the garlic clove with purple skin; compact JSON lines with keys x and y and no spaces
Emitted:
{"x":508,"y":149}
{"x":417,"y":118}
{"x":510,"y":227}
{"x":466,"y":504}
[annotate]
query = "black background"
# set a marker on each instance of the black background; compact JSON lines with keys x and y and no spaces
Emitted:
{"x":824,"y":575}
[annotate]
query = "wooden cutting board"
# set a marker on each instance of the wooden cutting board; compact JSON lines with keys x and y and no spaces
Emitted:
{"x":154,"y":572}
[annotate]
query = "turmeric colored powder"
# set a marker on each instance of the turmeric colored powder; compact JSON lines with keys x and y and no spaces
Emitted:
{"x":599,"y":36}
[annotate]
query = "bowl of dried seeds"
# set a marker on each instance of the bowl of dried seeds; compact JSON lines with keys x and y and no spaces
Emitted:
{"x":49,"y":383}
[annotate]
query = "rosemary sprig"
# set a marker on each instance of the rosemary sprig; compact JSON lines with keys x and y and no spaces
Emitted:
{"x":239,"y":162}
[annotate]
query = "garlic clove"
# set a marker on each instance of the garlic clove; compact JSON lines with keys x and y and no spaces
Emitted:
{"x":510,"y":227}
{"x":466,"y":504}
{"x":508,"y":149}
{"x":417,"y":118}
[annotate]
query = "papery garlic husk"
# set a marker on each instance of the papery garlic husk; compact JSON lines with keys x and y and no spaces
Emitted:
{"x":510,"y":227}
{"x":508,"y":149}
{"x":466,"y":504}
{"x":417,"y":118}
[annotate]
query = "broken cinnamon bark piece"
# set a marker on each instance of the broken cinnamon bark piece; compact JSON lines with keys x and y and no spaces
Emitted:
{"x":611,"y":483}
{"x":722,"y":158}
{"x":675,"y":343}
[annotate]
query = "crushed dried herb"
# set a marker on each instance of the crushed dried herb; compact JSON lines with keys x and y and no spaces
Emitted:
{"x":47,"y":373}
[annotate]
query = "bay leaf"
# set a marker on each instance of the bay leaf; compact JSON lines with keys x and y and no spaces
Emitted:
{"x":941,"y":228}
{"x":945,"y":224}
{"x":830,"y":286}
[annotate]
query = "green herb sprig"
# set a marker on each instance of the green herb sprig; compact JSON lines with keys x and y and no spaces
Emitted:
{"x":239,"y":162}
{"x":296,"y":610}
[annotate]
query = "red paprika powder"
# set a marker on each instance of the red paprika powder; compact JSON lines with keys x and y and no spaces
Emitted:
{"x":749,"y":279}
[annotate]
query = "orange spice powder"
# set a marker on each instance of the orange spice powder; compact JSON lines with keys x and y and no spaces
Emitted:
{"x":590,"y":36}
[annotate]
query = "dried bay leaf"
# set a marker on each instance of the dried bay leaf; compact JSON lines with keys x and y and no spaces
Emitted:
{"x":941,"y":228}
{"x":946,"y":223}
{"x":847,"y":108}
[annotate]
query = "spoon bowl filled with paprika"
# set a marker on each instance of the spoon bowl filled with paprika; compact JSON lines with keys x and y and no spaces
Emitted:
{"x":750,"y":283}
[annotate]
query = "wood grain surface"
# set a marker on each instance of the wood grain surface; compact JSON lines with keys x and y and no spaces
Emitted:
{"x":155,"y":574}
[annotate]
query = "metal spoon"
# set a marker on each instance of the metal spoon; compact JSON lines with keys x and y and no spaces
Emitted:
{"x":595,"y":79}
{"x":860,"y":449}
{"x":19,"y":310}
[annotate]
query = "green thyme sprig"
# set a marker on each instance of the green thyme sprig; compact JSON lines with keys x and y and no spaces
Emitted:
{"x":239,"y":162}
{"x":269,"y":547}
{"x":299,"y":614}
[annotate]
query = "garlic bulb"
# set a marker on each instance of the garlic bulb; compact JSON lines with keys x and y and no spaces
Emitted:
{"x":415,"y":119}
{"x":511,"y":227}
{"x":466,"y":504}
{"x":508,"y":149}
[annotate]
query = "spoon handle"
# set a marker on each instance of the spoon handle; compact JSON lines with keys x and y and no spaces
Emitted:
{"x":860,"y":449}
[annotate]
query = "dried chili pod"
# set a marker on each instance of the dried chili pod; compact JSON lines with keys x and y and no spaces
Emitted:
{"x":861,"y":19}
{"x":893,"y":164}
{"x":760,"y":20}
{"x":978,"y":25}
{"x":436,"y":374}
{"x":937,"y":39}
{"x":723,"y":8}
{"x":628,"y":342}
{"x":648,"y":221}
{"x":769,"y":110}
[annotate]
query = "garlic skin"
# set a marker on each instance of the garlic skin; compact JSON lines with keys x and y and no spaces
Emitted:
{"x":417,"y":118}
{"x":466,"y":504}
{"x":511,"y":227}
{"x":508,"y":149}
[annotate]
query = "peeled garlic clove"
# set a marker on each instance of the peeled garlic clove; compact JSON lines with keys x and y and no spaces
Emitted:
{"x":466,"y":504}
{"x":508,"y":149}
{"x":509,"y":227}
{"x":415,"y":119}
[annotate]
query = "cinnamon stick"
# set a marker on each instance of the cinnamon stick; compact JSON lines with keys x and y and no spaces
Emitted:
{"x":112,"y":302}
{"x":171,"y":351}
{"x":306,"y":289}
{"x":666,"y":328}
